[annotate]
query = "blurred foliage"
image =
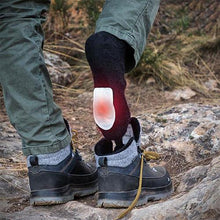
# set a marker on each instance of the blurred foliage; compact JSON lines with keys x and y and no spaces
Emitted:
{"x":92,"y":9}
{"x":181,"y":24}
{"x":59,"y":16}
{"x":182,"y":21}
{"x":182,"y":49}
{"x":62,"y":7}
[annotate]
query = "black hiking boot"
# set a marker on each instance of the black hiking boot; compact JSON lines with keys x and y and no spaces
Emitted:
{"x":60,"y":183}
{"x":119,"y":172}
{"x":55,"y":184}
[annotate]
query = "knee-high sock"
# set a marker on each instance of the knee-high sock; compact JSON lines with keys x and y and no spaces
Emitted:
{"x":109,"y":58}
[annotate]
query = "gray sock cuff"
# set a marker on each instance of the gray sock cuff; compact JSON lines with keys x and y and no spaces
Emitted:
{"x":121,"y":159}
{"x":52,"y":158}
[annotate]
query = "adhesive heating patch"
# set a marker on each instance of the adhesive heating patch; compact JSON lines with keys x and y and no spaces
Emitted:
{"x":103,"y":108}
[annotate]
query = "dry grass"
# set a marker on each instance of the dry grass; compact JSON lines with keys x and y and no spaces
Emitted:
{"x":73,"y":52}
{"x":183,"y":46}
{"x":184,"y":57}
{"x":180,"y":62}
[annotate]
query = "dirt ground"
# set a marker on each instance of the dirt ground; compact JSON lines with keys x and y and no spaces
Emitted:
{"x":77,"y":109}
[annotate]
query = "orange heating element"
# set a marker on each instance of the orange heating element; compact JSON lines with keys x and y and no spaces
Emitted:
{"x":102,"y":108}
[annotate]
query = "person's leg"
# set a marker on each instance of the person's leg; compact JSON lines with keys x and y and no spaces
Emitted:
{"x":56,"y":174}
{"x":114,"y":49}
{"x":25,"y":80}
{"x":106,"y":55}
{"x":130,"y":21}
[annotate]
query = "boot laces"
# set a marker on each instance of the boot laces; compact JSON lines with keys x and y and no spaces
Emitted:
{"x":145,"y":155}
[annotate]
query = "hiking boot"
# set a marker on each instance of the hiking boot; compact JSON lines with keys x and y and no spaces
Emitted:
{"x":119,"y":172}
{"x":54,"y":184}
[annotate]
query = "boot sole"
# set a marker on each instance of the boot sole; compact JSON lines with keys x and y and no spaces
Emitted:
{"x":61,"y":195}
{"x":124,"y":199}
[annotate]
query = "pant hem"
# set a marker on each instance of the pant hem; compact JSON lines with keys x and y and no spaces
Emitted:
{"x":126,"y":36}
{"x":35,"y":150}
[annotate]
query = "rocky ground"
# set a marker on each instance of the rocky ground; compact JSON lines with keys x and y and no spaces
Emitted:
{"x":185,"y":131}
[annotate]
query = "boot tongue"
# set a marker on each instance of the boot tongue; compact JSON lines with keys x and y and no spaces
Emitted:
{"x":122,"y":143}
{"x":133,"y":132}
{"x":118,"y":145}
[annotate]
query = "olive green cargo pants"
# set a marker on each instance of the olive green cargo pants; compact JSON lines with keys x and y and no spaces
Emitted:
{"x":24,"y":77}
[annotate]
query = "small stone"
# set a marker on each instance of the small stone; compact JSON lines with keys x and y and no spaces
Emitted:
{"x":212,"y":85}
{"x":150,"y":81}
{"x":180,"y":94}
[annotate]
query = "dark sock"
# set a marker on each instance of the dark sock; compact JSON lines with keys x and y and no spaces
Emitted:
{"x":109,"y":58}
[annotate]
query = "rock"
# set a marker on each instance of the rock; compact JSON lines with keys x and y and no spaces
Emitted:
{"x":179,"y":94}
{"x":192,"y":177}
{"x":190,"y":130}
{"x":150,"y":81}
{"x":201,"y":202}
{"x":186,"y":135}
{"x":212,"y":85}
{"x":59,"y":70}
{"x":202,"y":129}
{"x":69,"y":211}
{"x":198,"y":199}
